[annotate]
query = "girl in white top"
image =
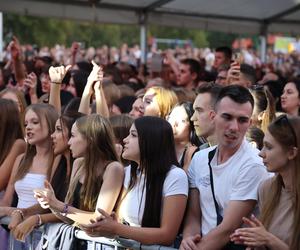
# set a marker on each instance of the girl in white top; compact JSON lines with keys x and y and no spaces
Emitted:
{"x":153,"y":181}
{"x":35,"y":165}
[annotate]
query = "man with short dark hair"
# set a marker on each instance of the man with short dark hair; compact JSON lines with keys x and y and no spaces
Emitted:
{"x":222,"y":57}
{"x":203,"y":112}
{"x":189,"y":73}
{"x":243,"y":75}
{"x":223,"y":179}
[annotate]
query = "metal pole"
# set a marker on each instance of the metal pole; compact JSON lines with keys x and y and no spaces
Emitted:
{"x":143,"y":37}
{"x":263,"y":42}
{"x":263,"y":48}
{"x":1,"y":36}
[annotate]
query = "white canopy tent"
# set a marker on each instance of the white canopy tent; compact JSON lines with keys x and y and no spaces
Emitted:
{"x":231,"y":16}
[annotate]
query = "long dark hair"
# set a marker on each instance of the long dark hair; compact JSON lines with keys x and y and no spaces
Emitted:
{"x":11,"y":127}
{"x":188,"y":107}
{"x":157,"y":155}
{"x":99,"y":135}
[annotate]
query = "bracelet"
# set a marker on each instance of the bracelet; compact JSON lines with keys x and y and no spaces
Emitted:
{"x":19,"y":211}
{"x":65,"y":210}
{"x":58,"y":83}
{"x":39,"y":220}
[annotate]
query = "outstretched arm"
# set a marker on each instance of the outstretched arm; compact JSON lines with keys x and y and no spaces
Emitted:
{"x":96,"y":75}
{"x":16,"y":54}
{"x":56,"y":74}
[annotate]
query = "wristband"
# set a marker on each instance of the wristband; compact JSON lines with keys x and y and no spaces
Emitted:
{"x":58,"y":83}
{"x":19,"y":212}
{"x":65,"y":210}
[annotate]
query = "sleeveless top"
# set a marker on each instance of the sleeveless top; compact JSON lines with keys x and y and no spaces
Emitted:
{"x":24,"y":188}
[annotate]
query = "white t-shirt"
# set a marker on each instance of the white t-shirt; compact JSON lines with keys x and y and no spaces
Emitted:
{"x":236,"y":179}
{"x":131,"y":210}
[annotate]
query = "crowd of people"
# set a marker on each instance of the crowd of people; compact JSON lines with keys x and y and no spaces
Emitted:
{"x":196,"y":149}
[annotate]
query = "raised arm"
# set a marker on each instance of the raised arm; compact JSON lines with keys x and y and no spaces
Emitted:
{"x":16,"y":54}
{"x":56,"y":74}
{"x":30,"y":83}
{"x":101,"y":104}
{"x":96,"y":75}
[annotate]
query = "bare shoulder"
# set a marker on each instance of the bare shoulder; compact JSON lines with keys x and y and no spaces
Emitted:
{"x":114,"y":168}
{"x":76,"y":165}
{"x":19,"y":143}
{"x":19,"y":158}
{"x":17,"y":163}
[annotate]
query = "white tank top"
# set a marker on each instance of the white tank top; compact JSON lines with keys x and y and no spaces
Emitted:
{"x":25,"y":187}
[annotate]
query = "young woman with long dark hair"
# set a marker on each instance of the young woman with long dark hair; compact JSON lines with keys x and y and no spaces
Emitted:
{"x":155,"y":189}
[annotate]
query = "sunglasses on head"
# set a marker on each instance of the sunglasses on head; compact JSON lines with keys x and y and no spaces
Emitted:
{"x":284,"y":118}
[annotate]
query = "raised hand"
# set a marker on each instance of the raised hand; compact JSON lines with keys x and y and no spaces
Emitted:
{"x":57,"y":74}
{"x":96,"y":76}
{"x":30,"y":83}
{"x":15,"y":48}
{"x":233,"y":73}
{"x":46,"y":197}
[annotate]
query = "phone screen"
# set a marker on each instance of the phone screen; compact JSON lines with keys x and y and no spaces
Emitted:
{"x":156,"y":63}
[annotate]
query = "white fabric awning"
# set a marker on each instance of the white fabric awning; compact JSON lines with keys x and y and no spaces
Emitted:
{"x":231,"y":16}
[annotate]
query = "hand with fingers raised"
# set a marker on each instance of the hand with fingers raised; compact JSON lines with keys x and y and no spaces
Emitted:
{"x":46,"y":197}
{"x":30,"y":83}
{"x":254,"y":236}
{"x":57,"y":74}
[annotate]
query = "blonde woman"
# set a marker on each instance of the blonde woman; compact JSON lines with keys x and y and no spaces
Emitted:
{"x":159,"y":101}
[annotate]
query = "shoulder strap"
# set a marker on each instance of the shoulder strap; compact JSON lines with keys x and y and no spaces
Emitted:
{"x":210,"y":157}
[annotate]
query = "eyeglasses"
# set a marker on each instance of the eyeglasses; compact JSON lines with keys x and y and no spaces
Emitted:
{"x":284,"y":118}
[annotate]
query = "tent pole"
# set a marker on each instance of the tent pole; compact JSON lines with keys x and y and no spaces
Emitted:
{"x":143,"y":37}
{"x":263,"y":43}
{"x":1,"y":36}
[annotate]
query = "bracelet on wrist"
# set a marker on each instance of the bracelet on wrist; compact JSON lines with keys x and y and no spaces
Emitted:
{"x":19,"y":211}
{"x":58,"y":83}
{"x":65,"y":210}
{"x":39,"y":220}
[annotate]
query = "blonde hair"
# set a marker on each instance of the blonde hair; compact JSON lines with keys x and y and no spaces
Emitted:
{"x":99,"y":135}
{"x":166,"y":100}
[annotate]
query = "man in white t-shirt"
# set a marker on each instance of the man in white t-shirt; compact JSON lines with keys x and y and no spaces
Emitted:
{"x":236,"y":170}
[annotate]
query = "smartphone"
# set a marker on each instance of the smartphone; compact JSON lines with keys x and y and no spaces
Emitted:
{"x":13,"y":80}
{"x":238,"y":57}
{"x":81,"y":45}
{"x":156,"y":63}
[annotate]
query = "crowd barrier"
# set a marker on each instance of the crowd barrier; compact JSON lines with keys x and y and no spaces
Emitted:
{"x":97,"y":242}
